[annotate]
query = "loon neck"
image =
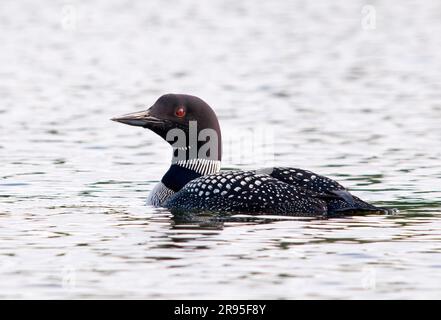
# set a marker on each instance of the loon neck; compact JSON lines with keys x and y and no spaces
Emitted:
{"x":193,"y":161}
{"x":183,"y":171}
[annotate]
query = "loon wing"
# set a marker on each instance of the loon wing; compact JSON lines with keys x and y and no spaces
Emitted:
{"x":305,"y":179}
{"x":246,"y":192}
{"x":335,"y":195}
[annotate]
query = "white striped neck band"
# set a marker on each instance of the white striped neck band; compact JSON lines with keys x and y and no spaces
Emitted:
{"x":201,"y":166}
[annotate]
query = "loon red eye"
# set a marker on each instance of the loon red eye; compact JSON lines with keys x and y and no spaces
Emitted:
{"x":180,"y":112}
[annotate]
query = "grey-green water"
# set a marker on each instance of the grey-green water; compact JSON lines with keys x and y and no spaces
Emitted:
{"x":360,"y":104}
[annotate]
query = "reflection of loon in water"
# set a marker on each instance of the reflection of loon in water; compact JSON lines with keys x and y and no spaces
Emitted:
{"x":196,"y":183}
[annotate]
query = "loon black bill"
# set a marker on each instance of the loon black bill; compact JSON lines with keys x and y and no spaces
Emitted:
{"x":139,"y":119}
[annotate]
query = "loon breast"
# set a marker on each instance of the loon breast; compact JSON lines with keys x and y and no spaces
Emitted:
{"x":158,"y":195}
{"x":177,"y":176}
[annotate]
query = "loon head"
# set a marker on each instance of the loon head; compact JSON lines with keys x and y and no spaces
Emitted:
{"x":186,"y":122}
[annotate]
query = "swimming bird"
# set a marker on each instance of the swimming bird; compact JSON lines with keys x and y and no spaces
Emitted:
{"x":194,"y":182}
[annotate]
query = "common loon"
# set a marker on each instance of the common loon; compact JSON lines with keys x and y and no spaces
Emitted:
{"x":194,"y":182}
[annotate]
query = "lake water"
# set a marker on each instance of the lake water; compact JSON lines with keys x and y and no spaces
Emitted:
{"x":348,"y":91}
